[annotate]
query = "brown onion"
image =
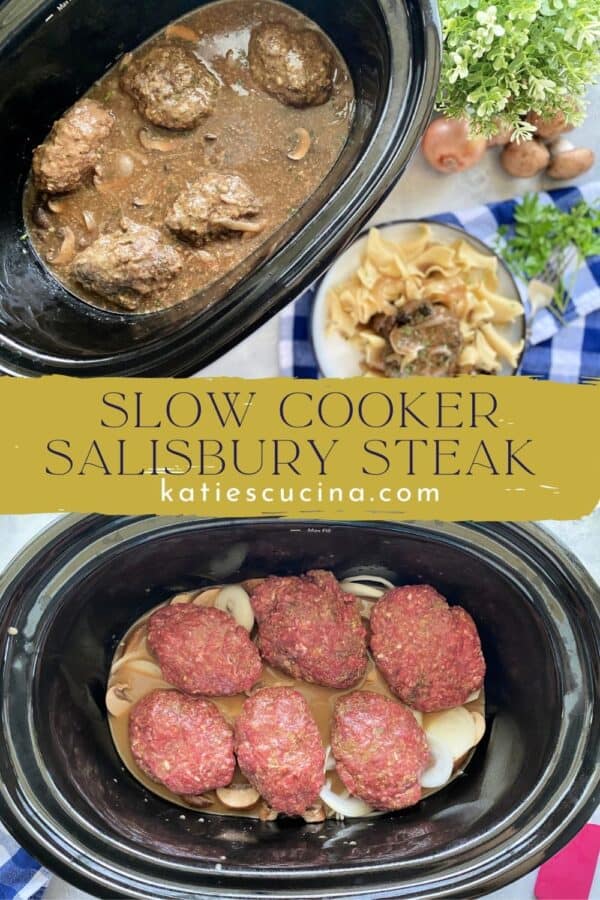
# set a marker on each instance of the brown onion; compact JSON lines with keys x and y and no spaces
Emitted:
{"x":448,"y":147}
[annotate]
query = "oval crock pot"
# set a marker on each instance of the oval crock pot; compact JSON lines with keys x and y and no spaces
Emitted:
{"x":65,"y":795}
{"x":49,"y":55}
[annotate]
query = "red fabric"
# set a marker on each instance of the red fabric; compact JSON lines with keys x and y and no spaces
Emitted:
{"x":569,"y":874}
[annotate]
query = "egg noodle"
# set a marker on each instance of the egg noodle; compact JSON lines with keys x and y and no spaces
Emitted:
{"x":456,"y":276}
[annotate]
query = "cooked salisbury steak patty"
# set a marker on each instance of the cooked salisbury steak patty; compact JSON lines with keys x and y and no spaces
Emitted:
{"x":203,"y":650}
{"x":309,"y":627}
{"x":170,"y":86}
{"x":72,"y":149}
{"x":425,"y":339}
{"x":294,"y":65}
{"x":217,"y":204}
{"x":129,"y":265}
{"x":182,"y":742}
{"x":428,"y":652}
{"x":279,"y":749}
{"x":380,"y":750}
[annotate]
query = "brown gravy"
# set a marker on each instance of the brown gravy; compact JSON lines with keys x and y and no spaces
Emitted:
{"x":249,"y":133}
{"x":321,"y":701}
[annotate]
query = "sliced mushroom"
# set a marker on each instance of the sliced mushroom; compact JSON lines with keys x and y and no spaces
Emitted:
{"x":238,"y":797}
{"x":242,"y":225}
{"x":182,"y":32}
{"x":302,"y":142}
{"x":567,"y":161}
{"x":90,"y":221}
{"x":454,"y":728}
{"x":67,"y":249}
{"x":118,"y":702}
{"x":207,"y":598}
{"x":314,"y":813}
{"x":152,"y":142}
{"x":41,"y":218}
{"x":55,"y":206}
{"x":266,"y":814}
{"x":475,"y":695}
{"x":199,"y":800}
{"x":479,"y":726}
{"x":234,"y":600}
{"x":250,"y":584}
{"x":128,"y":657}
{"x":441,"y":766}
{"x":184,"y":597}
{"x":146,"y":667}
{"x":114,"y":173}
{"x":343,"y":805}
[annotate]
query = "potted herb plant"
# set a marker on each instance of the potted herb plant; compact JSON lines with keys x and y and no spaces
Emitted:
{"x":512,"y":72}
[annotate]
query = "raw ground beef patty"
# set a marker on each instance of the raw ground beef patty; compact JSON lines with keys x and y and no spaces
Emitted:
{"x":380,"y":750}
{"x":311,"y":629}
{"x":182,"y":742}
{"x":279,"y":749}
{"x":428,"y":652}
{"x":203,"y":651}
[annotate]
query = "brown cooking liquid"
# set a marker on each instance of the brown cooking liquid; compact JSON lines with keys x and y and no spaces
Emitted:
{"x":320,"y":699}
{"x":249,"y":133}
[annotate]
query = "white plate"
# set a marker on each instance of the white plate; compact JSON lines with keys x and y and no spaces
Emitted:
{"x":337,"y":357}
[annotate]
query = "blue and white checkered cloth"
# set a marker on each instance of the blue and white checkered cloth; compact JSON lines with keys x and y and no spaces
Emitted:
{"x":21,"y":876}
{"x":569,"y":352}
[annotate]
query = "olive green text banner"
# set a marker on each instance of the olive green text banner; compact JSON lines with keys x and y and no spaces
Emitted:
{"x":477,"y":448}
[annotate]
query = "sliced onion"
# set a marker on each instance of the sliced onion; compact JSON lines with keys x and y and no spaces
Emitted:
{"x":454,"y":728}
{"x":440,"y":769}
{"x":376,"y":579}
{"x":146,"y":667}
{"x":329,"y":760}
{"x":345,"y":806}
{"x":126,"y":658}
{"x":234,"y":600}
{"x":362,"y":590}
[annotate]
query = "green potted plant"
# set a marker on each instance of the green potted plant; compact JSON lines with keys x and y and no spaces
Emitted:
{"x":512,"y":72}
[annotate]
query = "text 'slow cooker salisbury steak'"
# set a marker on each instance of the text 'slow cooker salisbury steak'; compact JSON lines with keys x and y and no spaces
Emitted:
{"x":309,"y":627}
{"x":380,"y":750}
{"x":279,"y":749}
{"x":429,"y":653}
{"x":203,"y":650}
{"x":182,"y":742}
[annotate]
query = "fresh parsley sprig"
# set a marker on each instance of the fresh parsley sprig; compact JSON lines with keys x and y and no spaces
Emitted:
{"x":545,"y":241}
